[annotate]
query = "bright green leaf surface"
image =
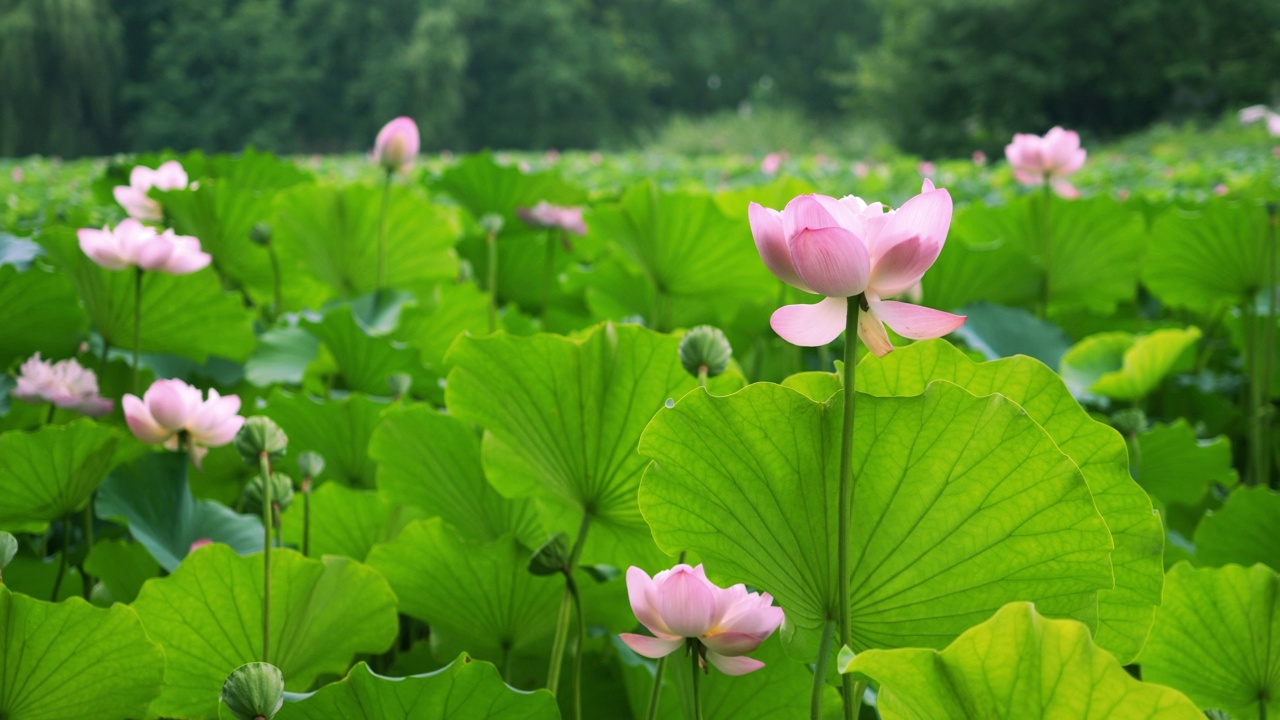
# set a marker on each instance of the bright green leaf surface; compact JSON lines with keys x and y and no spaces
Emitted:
{"x":466,"y":689}
{"x":1125,"y":612}
{"x":40,"y":314}
{"x":71,"y":660}
{"x":1124,"y":366}
{"x":483,"y":186}
{"x":122,"y":567}
{"x":364,"y":360}
{"x":281,"y":356}
{"x":337,"y":429}
{"x":1016,"y":666}
{"x":481,"y":595}
{"x":962,"y":504}
{"x":1205,"y":258}
{"x":187,"y":315}
{"x":431,"y":461}
{"x":331,"y":235}
{"x":208,"y":617}
{"x":344,"y":521}
{"x":1244,"y":531}
{"x":153,"y":496}
{"x":1217,"y":639}
{"x":51,"y":473}
{"x":563,"y":418}
{"x":1176,"y":467}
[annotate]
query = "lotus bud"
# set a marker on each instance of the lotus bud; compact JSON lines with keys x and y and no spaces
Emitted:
{"x":281,"y":493}
{"x":261,"y":234}
{"x":397,"y":144}
{"x":254,"y":691}
{"x":310,"y":464}
{"x":491,"y":223}
{"x":400,"y":384}
{"x":552,"y":558}
{"x":258,"y":435}
{"x":1130,"y":421}
{"x":705,"y":347}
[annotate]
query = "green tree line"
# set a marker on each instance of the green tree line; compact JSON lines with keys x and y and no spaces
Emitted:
{"x":97,"y":76}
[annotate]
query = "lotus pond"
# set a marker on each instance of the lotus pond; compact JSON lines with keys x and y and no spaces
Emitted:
{"x":632,"y":436}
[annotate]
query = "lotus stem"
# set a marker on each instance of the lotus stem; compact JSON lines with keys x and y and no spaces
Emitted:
{"x":277,"y":301}
{"x":1268,"y":346}
{"x":306,"y":517}
{"x":62,"y":558}
{"x":87,"y":517}
{"x":846,"y":487}
{"x":695,"y":657}
{"x":492,"y":281}
{"x":548,"y":275}
{"x":382,"y":238}
{"x":820,"y":670}
{"x":264,"y":462}
{"x":566,"y":606}
{"x":137,"y":323}
{"x":1046,"y":248}
{"x":577,"y":654}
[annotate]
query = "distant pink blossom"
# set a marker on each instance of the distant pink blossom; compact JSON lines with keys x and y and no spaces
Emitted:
{"x":397,"y":144}
{"x":1253,"y":114}
{"x":546,"y":215}
{"x":927,"y":168}
{"x":595,"y":158}
{"x":682,"y":603}
{"x":552,"y":155}
{"x":1036,"y":160}
{"x":16,"y":174}
{"x":202,"y":542}
{"x":1123,"y":194}
{"x":979,"y":158}
{"x":861,"y":170}
{"x":65,"y":384}
{"x":771,"y":163}
{"x":172,"y":411}
{"x":132,"y":244}
{"x":1221,"y":189}
{"x":133,"y":197}
{"x":844,"y":248}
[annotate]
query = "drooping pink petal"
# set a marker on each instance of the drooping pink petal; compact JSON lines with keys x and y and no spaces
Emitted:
{"x":740,"y":665}
{"x":871,"y":332}
{"x":197,"y":455}
{"x":833,"y":261}
{"x":650,"y":647}
{"x":771,"y":243}
{"x":1064,"y":189}
{"x":732,"y":643}
{"x":811,"y":325}
{"x":144,"y":427}
{"x":686,"y":604}
{"x":914,"y":321}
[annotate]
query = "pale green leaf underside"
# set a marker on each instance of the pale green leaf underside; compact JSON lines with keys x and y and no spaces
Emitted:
{"x":208,"y":617}
{"x":72,"y":660}
{"x":1125,"y":366}
{"x":1176,"y":467}
{"x":1125,"y":612}
{"x":1217,"y":638}
{"x":1016,"y":666}
{"x":481,"y":595}
{"x":52,"y":472}
{"x":465,"y":689}
{"x":962,"y":504}
{"x":1244,"y":531}
{"x":40,"y":314}
{"x":344,"y":521}
{"x":1203,"y":258}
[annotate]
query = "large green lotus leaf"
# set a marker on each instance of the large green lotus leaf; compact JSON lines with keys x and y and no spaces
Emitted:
{"x":152,"y":495}
{"x":1176,"y":467}
{"x":691,"y":253}
{"x":1125,"y":612}
{"x":563,"y":418}
{"x":1124,"y":366}
{"x":1207,"y":257}
{"x":431,"y":461}
{"x":465,"y":689}
{"x":1244,"y":531}
{"x":337,"y":429}
{"x":330,"y":234}
{"x":774,"y":194}
{"x":778,"y":691}
{"x":1217,"y":639}
{"x":481,"y":595}
{"x":484,"y":187}
{"x":186,"y":315}
{"x":71,"y":660}
{"x":1016,"y":666}
{"x":40,"y":315}
{"x":52,"y":472}
{"x":997,"y":254}
{"x":344,"y":521}
{"x":440,"y":317}
{"x":364,"y":360}
{"x":122,"y":567}
{"x":281,"y":356}
{"x":962,"y":504}
{"x":208,"y":617}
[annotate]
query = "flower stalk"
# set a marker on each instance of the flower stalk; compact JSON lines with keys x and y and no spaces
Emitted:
{"x":845,"y":507}
{"x":382,"y":236}
{"x":567,"y":601}
{"x":137,"y":322}
{"x":695,"y":656}
{"x":264,"y":462}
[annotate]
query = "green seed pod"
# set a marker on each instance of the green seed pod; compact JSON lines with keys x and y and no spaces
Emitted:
{"x":552,"y":558}
{"x":400,"y":384}
{"x":8,"y":548}
{"x":258,"y":435}
{"x":1130,"y":420}
{"x":491,"y":223}
{"x":261,"y":234}
{"x":310,"y":464}
{"x":254,"y":691}
{"x":281,"y":493}
{"x":705,"y":346}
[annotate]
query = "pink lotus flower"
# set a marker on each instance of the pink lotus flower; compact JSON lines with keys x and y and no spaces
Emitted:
{"x":681,"y":603}
{"x":845,"y":248}
{"x":979,"y":158}
{"x":1253,"y":114}
{"x":1221,"y":189}
{"x":202,"y":542}
{"x":133,"y":197}
{"x":172,"y":410}
{"x":546,"y":215}
{"x":65,"y":384}
{"x":397,"y":144}
{"x":1051,"y":158}
{"x":771,"y":163}
{"x":927,"y":168}
{"x":133,"y":244}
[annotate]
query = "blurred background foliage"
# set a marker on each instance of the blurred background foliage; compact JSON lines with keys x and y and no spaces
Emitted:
{"x":939,"y":78}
